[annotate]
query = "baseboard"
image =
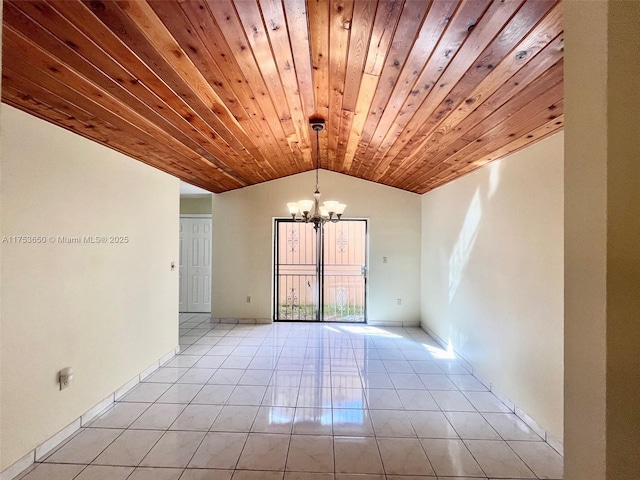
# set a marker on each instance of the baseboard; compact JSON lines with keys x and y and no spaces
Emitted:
{"x":51,"y":443}
{"x":243,"y":321}
{"x":531,"y":423}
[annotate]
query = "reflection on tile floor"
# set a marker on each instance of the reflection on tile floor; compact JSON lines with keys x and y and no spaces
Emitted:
{"x":305,"y":401}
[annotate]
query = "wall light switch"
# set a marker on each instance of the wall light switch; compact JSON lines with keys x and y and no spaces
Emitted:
{"x":65,"y":376}
{"x":399,"y":301}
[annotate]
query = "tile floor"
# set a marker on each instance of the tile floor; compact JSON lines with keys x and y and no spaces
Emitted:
{"x":304,"y":401}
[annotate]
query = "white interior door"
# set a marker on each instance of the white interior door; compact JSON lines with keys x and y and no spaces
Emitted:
{"x":195,"y":264}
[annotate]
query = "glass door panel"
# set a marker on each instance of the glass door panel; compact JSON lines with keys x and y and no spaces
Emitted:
{"x":320,"y":276}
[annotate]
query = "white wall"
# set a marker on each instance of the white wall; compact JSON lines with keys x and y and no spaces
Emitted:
{"x":492,"y":275}
{"x":109,"y":310}
{"x":243,"y":244}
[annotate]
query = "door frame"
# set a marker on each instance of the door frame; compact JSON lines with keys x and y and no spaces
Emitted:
{"x":320,"y":273}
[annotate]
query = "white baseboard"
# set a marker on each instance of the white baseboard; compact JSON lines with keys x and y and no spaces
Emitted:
{"x":51,"y":443}
{"x":535,"y":426}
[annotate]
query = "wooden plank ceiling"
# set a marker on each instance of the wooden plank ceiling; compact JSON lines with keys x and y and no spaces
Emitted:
{"x":219,"y":93}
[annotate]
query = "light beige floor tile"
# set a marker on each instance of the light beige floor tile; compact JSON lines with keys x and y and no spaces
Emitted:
{"x":357,"y":455}
{"x":129,"y":448}
{"x":497,"y":459}
{"x":53,"y":472}
{"x":383,"y":399}
{"x":234,"y":418}
{"x":158,"y":416}
{"x":404,"y":456}
{"x":486,"y":402}
{"x":471,"y":426}
{"x":467,"y":383}
{"x":196,"y":417}
{"x":174,"y":450}
{"x":208,"y":474}
{"x":121,"y":415}
{"x":166,"y":375}
{"x":510,"y":427}
{"x":213,"y":394}
{"x":199,"y":376}
{"x":352,"y":422}
{"x":309,"y":453}
{"x":219,"y":450}
{"x":450,"y":457}
{"x":273,"y":420}
{"x":180,"y":393}
{"x":97,"y":472}
{"x":541,"y":458}
{"x":452,"y":401}
{"x":308,"y":476}
{"x":146,"y":392}
{"x":247,"y":395}
{"x":149,"y":473}
{"x":257,"y":475}
{"x":264,"y":452}
{"x":417,"y":400}
{"x":85,"y":446}
{"x":391,"y":423}
{"x":312,"y":421}
{"x":428,"y":424}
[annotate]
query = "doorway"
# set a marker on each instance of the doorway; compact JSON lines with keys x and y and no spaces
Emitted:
{"x":195,"y":263}
{"x":320,"y":275}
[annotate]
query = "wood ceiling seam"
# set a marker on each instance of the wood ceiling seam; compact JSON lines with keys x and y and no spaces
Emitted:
{"x":435,"y":150}
{"x":229,"y":23}
{"x":481,"y":35}
{"x":500,"y":76}
{"x":84,"y":91}
{"x":340,"y":14}
{"x":200,"y":115}
{"x":141,"y":14}
{"x":465,"y":15}
{"x":223,"y":56}
{"x":318,"y":12}
{"x":75,"y":114}
{"x":407,"y":90}
{"x":74,"y":59}
{"x":383,"y":30}
{"x":538,"y":134}
{"x":187,"y":35}
{"x":409,"y":25}
{"x":360,"y":31}
{"x":522,"y":118}
{"x":143,"y":78}
{"x":278,"y":39}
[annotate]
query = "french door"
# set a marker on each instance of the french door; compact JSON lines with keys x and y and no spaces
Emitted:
{"x":320,"y":275}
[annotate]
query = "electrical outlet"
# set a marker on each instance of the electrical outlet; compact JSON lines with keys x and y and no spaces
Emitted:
{"x":384,"y":260}
{"x":399,"y":301}
{"x":248,"y":298}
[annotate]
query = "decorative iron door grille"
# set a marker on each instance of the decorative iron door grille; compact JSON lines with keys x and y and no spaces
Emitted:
{"x":320,"y":276}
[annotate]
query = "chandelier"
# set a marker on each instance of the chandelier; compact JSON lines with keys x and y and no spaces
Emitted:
{"x":310,"y":210}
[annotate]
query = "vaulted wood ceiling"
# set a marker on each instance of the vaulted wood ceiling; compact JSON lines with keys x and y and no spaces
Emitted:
{"x":219,"y":93}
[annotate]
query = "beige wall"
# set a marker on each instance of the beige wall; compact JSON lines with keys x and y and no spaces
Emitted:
{"x":243,"y":243}
{"x":602,"y":225}
{"x":492,"y":275}
{"x":196,"y":204}
{"x":109,"y":310}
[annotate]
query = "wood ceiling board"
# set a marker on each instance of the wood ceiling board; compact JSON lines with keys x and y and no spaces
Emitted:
{"x":219,"y":92}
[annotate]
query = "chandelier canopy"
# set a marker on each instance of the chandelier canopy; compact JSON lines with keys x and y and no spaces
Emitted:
{"x":311,"y":210}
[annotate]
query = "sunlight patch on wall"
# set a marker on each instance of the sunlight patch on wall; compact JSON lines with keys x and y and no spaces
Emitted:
{"x":463,"y":246}
{"x":494,"y":177}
